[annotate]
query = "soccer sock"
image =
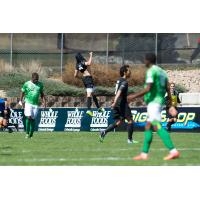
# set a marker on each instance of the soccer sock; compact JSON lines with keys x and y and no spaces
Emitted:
{"x":111,"y":127}
{"x":27,"y":125}
{"x":89,"y":102}
{"x":32,"y":127}
{"x":148,"y":136}
{"x":164,"y":135}
{"x":130,"y":131}
{"x":96,"y":101}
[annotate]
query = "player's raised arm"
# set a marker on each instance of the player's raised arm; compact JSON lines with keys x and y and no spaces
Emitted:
{"x":88,"y":63}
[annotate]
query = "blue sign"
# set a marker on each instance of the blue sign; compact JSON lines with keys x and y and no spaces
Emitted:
{"x":76,"y":119}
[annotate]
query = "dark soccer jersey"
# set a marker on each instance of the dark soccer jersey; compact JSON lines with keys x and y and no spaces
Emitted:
{"x":122,"y":85}
{"x":81,"y":66}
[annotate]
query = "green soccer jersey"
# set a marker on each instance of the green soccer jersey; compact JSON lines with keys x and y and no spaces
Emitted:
{"x":159,"y":79}
{"x":32,"y":92}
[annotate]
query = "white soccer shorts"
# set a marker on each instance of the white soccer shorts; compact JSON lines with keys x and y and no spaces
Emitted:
{"x":154,"y":112}
{"x":90,"y":90}
{"x":30,"y":110}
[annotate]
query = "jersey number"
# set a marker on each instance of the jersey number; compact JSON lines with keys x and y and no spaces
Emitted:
{"x":80,"y":67}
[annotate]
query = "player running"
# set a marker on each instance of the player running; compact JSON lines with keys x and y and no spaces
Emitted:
{"x":32,"y":90}
{"x":120,"y":107}
{"x":172,"y":101}
{"x":83,"y":66}
{"x":156,"y":85}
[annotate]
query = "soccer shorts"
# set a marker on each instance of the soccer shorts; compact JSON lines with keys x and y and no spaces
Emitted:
{"x":154,"y":112}
{"x":31,"y":110}
{"x":122,"y":112}
{"x":88,"y":83}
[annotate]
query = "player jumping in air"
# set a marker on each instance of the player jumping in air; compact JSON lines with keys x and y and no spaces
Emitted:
{"x":83,"y":66}
{"x":32,"y":90}
{"x":120,"y":107}
{"x":156,"y":85}
{"x":172,"y":101}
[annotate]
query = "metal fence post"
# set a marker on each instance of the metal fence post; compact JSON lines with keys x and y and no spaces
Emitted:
{"x":156,"y":46}
{"x":188,"y":39}
{"x":107,"y":46}
{"x":11,"y":49}
{"x":123,"y":46}
{"x":61,"y":57}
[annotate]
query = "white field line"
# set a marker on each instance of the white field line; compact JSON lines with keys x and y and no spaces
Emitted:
{"x":110,"y":150}
{"x":96,"y":158}
{"x":100,"y":150}
{"x":73,"y":159}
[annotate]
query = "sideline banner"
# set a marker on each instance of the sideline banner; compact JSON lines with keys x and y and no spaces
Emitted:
{"x":76,"y":119}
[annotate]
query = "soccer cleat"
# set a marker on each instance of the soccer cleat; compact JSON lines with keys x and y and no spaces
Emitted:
{"x":132,"y":141}
{"x":101,"y":110}
{"x":101,"y":136}
{"x":90,"y":113}
{"x":171,"y":156}
{"x":27,"y":137}
{"x":142,"y":156}
{"x":10,"y":130}
{"x":17,"y":127}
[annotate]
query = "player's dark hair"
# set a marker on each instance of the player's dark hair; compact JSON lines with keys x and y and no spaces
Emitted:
{"x":151,"y":57}
{"x":172,"y":83}
{"x":79,"y":58}
{"x":123,"y":70}
{"x":35,"y":75}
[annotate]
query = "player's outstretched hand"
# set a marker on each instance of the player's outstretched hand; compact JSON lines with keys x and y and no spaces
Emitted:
{"x":44,"y":104}
{"x":20,"y":103}
{"x":91,"y":53}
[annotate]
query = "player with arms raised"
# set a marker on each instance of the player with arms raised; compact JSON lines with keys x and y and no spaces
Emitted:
{"x":83,"y":66}
{"x":32,"y":90}
{"x":156,"y":85}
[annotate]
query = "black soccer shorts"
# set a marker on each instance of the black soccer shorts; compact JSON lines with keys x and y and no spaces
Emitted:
{"x":122,"y":112}
{"x":88,"y":81}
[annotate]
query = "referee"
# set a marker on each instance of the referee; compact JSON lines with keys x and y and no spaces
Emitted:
{"x":174,"y":102}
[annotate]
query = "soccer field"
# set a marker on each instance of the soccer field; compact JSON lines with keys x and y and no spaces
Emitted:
{"x":60,"y":148}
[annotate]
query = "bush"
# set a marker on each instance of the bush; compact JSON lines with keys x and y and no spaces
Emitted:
{"x":104,"y":76}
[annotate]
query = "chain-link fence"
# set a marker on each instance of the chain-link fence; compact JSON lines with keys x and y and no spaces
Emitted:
{"x":51,"y":54}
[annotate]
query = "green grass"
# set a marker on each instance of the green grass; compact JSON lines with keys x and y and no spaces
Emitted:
{"x":84,"y":149}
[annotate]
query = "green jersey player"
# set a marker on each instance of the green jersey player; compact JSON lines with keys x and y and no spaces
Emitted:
{"x":156,"y":85}
{"x":32,"y":90}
